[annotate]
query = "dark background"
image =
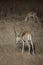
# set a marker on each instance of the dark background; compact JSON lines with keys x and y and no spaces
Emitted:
{"x":17,"y":9}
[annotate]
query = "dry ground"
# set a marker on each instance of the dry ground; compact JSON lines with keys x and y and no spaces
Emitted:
{"x":9,"y":52}
{"x":9,"y":55}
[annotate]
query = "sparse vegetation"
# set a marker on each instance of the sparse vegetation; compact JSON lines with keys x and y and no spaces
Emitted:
{"x":12,"y":14}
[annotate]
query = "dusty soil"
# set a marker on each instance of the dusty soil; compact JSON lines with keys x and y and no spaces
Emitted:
{"x":10,"y":54}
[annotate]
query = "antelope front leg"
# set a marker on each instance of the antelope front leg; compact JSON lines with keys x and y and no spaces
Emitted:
{"x":37,"y":19}
{"x":23,"y":47}
{"x":29,"y":48}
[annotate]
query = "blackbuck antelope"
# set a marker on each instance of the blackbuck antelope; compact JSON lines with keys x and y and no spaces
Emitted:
{"x":26,"y":37}
{"x":32,"y":16}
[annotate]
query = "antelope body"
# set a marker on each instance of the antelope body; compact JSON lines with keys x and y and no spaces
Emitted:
{"x":25,"y":37}
{"x":32,"y":15}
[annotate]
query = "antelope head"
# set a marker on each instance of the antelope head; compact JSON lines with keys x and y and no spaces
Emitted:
{"x":18,"y":38}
